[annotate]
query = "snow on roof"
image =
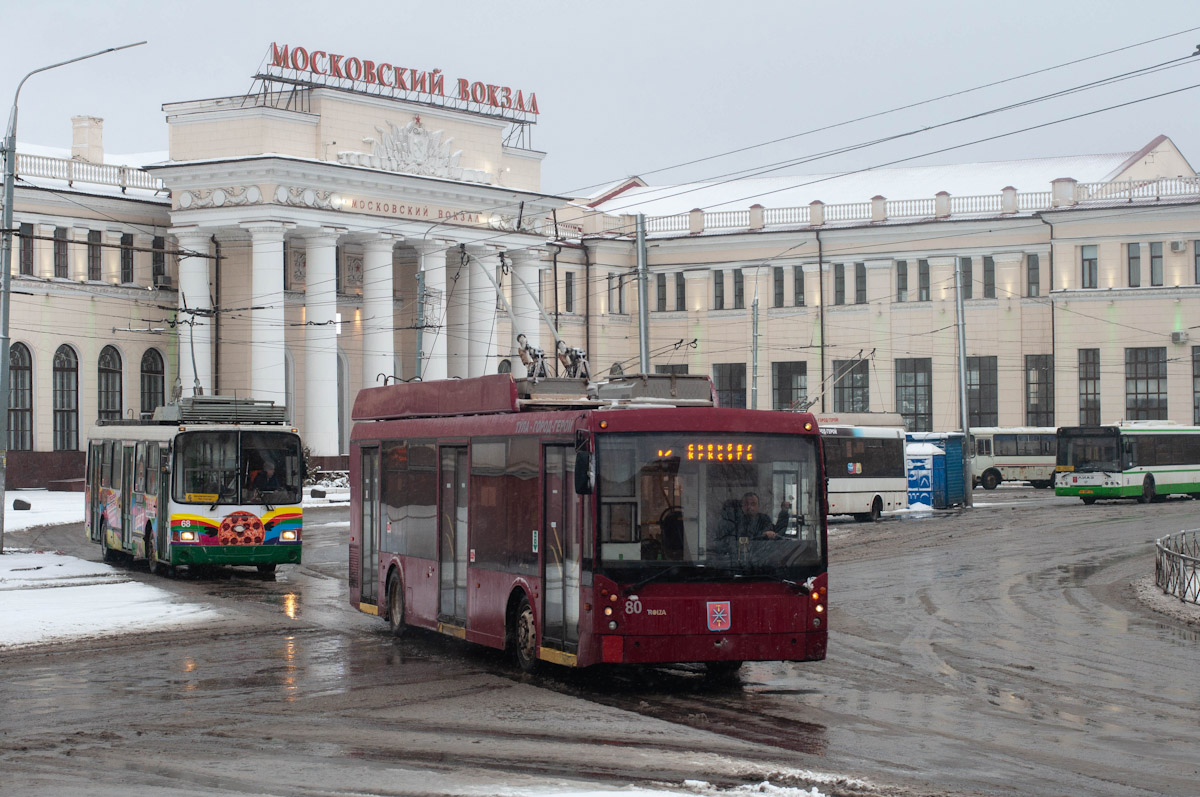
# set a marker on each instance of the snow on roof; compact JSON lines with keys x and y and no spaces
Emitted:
{"x":136,"y":160}
{"x":911,"y":182}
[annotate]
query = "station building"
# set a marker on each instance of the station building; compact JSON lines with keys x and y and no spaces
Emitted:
{"x":331,"y":231}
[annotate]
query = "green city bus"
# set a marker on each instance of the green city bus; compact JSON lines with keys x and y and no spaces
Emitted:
{"x":1145,"y":460}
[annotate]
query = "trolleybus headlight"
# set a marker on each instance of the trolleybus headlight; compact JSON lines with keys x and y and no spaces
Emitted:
{"x":816,"y":622}
{"x":187,"y":536}
{"x":820,"y":608}
{"x":608,"y":611}
{"x":288,"y":536}
{"x":612,"y":625}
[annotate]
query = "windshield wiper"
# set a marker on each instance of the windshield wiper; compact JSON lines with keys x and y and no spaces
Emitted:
{"x":652,"y":577}
{"x":805,"y":587}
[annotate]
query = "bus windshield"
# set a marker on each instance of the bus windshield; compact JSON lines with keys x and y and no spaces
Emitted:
{"x":702,"y":506}
{"x":1089,"y":450}
{"x":237,"y":467}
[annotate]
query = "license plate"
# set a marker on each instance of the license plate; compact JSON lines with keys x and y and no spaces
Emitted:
{"x":1086,"y":492}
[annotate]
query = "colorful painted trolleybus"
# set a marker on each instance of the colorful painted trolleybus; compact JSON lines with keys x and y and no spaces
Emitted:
{"x":630,"y":521}
{"x":209,"y":480}
{"x":1145,"y":460}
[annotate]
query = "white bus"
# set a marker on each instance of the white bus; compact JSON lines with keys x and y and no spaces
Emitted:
{"x":1013,"y":454}
{"x":864,"y":463}
{"x":208,"y":481}
{"x":1146,"y":460}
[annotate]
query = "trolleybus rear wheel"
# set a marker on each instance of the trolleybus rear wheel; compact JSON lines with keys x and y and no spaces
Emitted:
{"x":1147,"y":490}
{"x":525,"y":637}
{"x":266,"y":571}
{"x":395,"y":605}
{"x":1088,"y":499}
{"x":990,"y":480}
{"x":106,"y":553}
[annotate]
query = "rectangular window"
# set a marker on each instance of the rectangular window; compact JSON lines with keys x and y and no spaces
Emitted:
{"x":616,"y":293}
{"x":1039,"y":390}
{"x":660,"y":297}
{"x":739,"y":289}
{"x":839,"y":283}
{"x":789,"y":385}
{"x":922,"y":280}
{"x":1089,"y":387}
{"x":680,"y":292}
{"x":569,"y":291}
{"x":860,"y":283}
{"x":127,"y":257}
{"x":1196,"y":385}
{"x":730,"y":381}
{"x":1090,"y":277}
{"x":1133,"y":257}
{"x":989,"y":278}
{"x":902,"y":280}
{"x":777,"y":280}
{"x":1033,"y":276}
{"x":914,"y":393}
{"x":158,"y":260}
{"x":798,"y":285}
{"x":718,"y":289}
{"x":26,"y":235}
{"x":1146,"y":384}
{"x":968,"y":281}
{"x":93,"y":255}
{"x":851,"y":386}
{"x":1156,"y":263}
{"x":982,"y":393}
{"x":1196,"y":261}
{"x":60,"y":253}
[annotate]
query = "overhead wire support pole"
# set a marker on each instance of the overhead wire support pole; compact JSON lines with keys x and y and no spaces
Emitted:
{"x":962,"y":381}
{"x":10,"y":179}
{"x":643,"y":292}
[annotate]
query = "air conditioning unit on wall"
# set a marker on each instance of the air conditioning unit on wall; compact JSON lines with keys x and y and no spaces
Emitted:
{"x":1180,"y":336}
{"x":1178,"y":246}
{"x":162,"y":280}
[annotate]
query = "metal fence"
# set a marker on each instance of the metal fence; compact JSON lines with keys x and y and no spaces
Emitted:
{"x":1177,"y":565}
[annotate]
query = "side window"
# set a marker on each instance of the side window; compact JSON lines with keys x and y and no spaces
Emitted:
{"x":139,"y":469}
{"x":153,"y":466}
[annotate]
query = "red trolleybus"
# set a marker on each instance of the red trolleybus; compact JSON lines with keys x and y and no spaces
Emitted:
{"x":580,"y":524}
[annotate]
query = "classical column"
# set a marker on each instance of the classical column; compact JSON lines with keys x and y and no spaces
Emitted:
{"x":433,"y":363}
{"x":524,"y":306}
{"x":268,"y":342}
{"x":481,"y":312}
{"x":455,"y":328}
{"x":320,"y":344}
{"x":194,"y":330}
{"x":378,"y":322}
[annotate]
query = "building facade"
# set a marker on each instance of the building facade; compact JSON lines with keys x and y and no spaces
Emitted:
{"x":326,"y":233}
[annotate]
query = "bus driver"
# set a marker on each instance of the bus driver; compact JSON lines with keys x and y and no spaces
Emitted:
{"x":742,"y":523}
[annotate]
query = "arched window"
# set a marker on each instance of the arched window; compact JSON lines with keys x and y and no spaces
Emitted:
{"x":108,"y":384}
{"x":153,"y":384}
{"x":20,"y":398}
{"x":66,"y":399}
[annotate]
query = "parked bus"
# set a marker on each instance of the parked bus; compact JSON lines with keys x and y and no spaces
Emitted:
{"x":864,"y":459}
{"x":1146,"y":460}
{"x":1024,"y":454}
{"x":581,"y":524}
{"x":194,"y":486}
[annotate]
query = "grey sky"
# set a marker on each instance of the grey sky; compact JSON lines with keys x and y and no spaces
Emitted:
{"x":630,"y":87}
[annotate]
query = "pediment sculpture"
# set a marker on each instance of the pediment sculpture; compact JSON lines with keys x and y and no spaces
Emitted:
{"x":414,"y":149}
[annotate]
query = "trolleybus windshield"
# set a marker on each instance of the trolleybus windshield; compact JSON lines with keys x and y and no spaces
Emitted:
{"x":1089,"y":450}
{"x":235,"y":467}
{"x":684,"y":506}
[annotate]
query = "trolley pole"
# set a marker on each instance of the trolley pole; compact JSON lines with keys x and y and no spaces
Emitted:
{"x":643,"y":292}
{"x":10,"y":179}
{"x":962,"y":383}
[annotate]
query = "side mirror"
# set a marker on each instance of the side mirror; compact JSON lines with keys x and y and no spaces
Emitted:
{"x":585,"y":473}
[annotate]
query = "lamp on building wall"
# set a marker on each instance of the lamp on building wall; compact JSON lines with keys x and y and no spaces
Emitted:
{"x":10,"y":179}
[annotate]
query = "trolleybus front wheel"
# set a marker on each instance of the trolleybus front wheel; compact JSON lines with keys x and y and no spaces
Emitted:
{"x":525,"y":637}
{"x":267,"y":571}
{"x":1088,"y":499}
{"x":152,"y":563}
{"x":395,"y":605}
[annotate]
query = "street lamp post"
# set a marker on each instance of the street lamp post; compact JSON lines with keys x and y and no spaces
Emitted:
{"x":10,"y":179}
